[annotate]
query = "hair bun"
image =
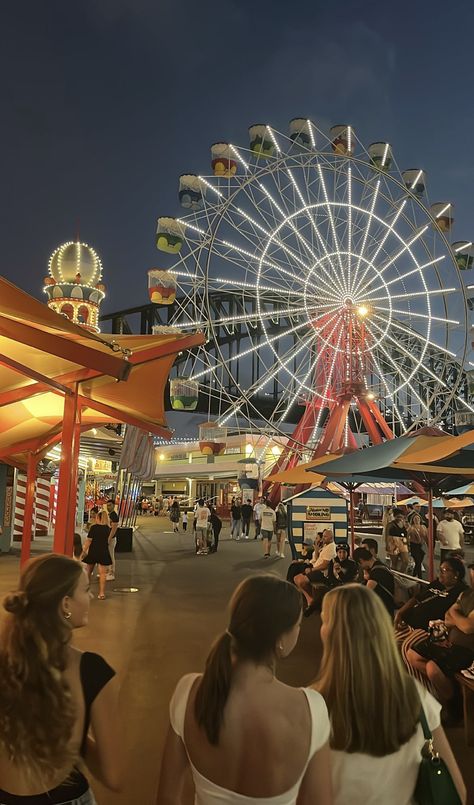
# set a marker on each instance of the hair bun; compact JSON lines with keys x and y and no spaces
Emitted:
{"x":16,"y":603}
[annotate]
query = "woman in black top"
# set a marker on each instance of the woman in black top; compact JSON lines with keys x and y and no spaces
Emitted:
{"x":96,"y":550}
{"x":50,"y":692}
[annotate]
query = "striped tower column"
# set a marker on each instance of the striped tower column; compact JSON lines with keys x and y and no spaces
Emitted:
{"x":41,"y":506}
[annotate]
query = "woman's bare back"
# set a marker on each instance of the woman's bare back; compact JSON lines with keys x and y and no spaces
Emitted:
{"x":264,"y":741}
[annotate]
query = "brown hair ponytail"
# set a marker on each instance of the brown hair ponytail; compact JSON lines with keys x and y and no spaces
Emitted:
{"x":262,"y":608}
{"x":37,"y":713}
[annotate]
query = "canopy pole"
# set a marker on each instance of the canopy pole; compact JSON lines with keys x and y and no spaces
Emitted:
{"x":72,"y":506}
{"x":430,"y":534}
{"x":351,"y":492}
{"x":65,"y":471}
{"x":29,"y":505}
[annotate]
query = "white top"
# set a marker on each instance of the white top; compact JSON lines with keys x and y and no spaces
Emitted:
{"x":202,"y":516}
{"x":365,"y":780}
{"x":326,"y":553}
{"x":267,"y":519}
{"x":450,"y":534}
{"x":207,"y":792}
{"x":258,"y":509}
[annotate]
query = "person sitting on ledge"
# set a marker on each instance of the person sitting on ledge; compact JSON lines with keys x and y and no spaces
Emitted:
{"x":319,"y":564}
{"x":341,"y":570}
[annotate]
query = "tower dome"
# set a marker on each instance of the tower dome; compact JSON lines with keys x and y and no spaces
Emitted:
{"x":74,"y":287}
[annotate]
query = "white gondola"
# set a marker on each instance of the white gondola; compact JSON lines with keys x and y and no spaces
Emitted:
{"x":442,"y":212}
{"x":223,"y":160}
{"x":342,"y":139}
{"x":192,"y":191}
{"x":261,"y":143}
{"x":169,"y":235}
{"x":161,"y":286}
{"x":381,"y":155}
{"x":300,"y":132}
{"x":414,"y":179}
{"x":464,"y":254}
{"x":184,"y":394}
{"x":212,"y":439}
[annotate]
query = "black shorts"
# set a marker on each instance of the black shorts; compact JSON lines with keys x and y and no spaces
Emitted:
{"x":450,"y":659}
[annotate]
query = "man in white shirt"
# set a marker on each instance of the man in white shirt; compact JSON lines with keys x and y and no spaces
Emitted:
{"x":202,"y":520}
{"x":268,"y":527}
{"x":319,"y":564}
{"x":257,"y":516}
{"x":450,"y":534}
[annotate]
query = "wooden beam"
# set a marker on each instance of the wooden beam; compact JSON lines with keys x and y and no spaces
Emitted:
{"x":117,"y":415}
{"x":106,"y":363}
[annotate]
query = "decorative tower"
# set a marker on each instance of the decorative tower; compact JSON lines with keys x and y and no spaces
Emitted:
{"x":74,"y":286}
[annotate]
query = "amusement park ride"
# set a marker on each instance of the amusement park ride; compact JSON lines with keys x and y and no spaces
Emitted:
{"x":326,"y":267}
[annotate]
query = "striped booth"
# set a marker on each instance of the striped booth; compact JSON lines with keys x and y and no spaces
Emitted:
{"x":312,"y":511}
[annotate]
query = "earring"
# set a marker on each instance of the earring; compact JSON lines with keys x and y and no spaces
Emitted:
{"x":280,"y":648}
{"x":67,"y":615}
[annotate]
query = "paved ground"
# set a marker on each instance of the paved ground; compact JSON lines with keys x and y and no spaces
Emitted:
{"x":164,"y":630}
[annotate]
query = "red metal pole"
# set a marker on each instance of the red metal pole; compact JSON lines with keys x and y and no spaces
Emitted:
{"x":430,"y":535}
{"x":72,"y":506}
{"x":351,"y":492}
{"x":29,"y":504}
{"x":65,"y":470}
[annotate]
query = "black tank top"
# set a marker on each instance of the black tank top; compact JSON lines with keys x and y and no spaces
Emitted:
{"x":95,"y":672}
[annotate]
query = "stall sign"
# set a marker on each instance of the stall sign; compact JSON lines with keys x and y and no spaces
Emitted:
{"x":318,"y":512}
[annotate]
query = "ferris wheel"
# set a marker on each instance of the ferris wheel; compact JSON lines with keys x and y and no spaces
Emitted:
{"x":339,"y":273}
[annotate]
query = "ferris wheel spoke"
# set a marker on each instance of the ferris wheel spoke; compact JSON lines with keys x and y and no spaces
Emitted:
{"x":414,"y":314}
{"x":389,"y":230}
{"x":361,"y":251}
{"x":333,"y":228}
{"x":416,"y":270}
{"x":418,"y":336}
{"x":411,"y":295}
{"x":393,"y":258}
{"x":408,"y":354}
{"x":328,"y":383}
{"x":406,"y":380}
{"x":388,"y":391}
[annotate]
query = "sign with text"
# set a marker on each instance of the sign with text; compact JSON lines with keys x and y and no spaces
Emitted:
{"x":311,"y":530}
{"x":318,"y":513}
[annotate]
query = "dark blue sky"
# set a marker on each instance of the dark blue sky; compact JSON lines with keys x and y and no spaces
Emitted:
{"x":105,"y":102}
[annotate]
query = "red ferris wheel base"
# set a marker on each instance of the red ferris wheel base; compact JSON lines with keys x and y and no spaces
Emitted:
{"x":336,"y":435}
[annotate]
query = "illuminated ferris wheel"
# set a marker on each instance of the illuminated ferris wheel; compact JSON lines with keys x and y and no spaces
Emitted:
{"x":341,"y":275}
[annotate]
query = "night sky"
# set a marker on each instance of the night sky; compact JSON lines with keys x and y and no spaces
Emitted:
{"x":105,"y":102}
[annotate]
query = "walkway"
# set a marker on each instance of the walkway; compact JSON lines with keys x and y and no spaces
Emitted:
{"x":154,"y":636}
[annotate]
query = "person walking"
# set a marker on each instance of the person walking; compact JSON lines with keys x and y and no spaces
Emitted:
{"x":236,"y":515}
{"x":247,"y":511}
{"x":417,"y":534}
{"x":216,"y":524}
{"x":220,"y":720}
{"x":113,"y":522}
{"x":96,"y":551}
{"x":202,"y":521}
{"x":174,"y":515}
{"x":375,"y":758}
{"x":185,"y":521}
{"x":268,"y":528}
{"x":281,"y":529}
{"x":51,"y":693}
{"x":397,"y":541}
{"x":450,"y":534}
{"x":257,"y":515}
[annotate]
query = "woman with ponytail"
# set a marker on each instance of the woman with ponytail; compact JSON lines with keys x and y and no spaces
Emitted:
{"x":51,"y":692}
{"x":245,"y":736}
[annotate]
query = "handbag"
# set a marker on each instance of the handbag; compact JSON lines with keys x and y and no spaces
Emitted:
{"x":434,"y":785}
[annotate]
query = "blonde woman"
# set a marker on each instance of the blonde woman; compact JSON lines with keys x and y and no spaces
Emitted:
{"x":50,"y":692}
{"x":374,"y":706}
{"x":97,"y":550}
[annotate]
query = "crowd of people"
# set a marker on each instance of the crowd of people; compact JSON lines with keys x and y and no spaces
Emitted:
{"x":334,"y":742}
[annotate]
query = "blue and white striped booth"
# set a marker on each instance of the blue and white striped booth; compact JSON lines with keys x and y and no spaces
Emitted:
{"x":312,"y":511}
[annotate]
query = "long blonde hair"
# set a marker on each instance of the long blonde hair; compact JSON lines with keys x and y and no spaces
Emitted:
{"x":37,"y":713}
{"x":373,"y":704}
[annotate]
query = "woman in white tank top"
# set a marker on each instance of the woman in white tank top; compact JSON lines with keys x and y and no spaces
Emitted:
{"x":246,"y":737}
{"x":374,"y":706}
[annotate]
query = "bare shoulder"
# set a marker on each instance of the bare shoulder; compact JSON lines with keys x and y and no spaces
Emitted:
{"x":74,"y":658}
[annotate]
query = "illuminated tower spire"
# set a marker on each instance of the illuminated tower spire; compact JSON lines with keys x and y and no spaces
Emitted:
{"x":74,"y":286}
